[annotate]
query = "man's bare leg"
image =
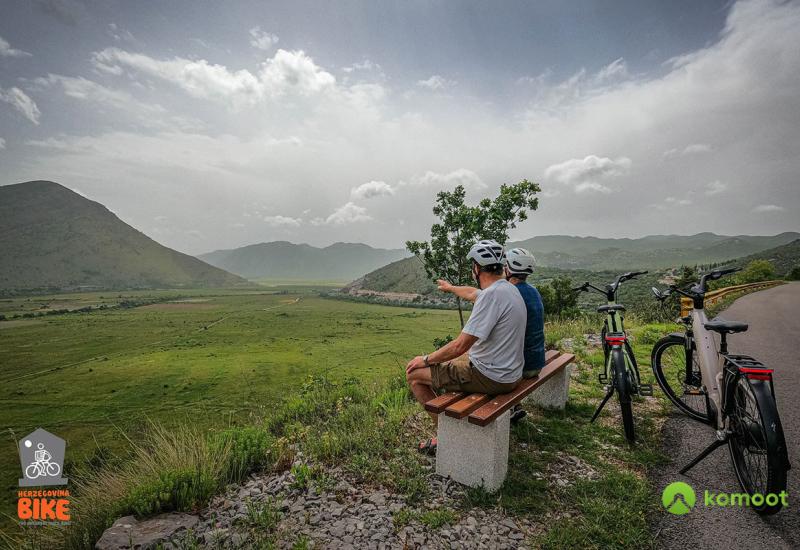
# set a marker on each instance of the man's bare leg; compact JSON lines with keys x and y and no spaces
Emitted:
{"x":419,"y":380}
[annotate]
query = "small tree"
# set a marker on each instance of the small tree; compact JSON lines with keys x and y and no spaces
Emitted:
{"x":687,"y":277}
{"x":558,"y":297}
{"x":460,"y":225}
{"x":794,"y":274}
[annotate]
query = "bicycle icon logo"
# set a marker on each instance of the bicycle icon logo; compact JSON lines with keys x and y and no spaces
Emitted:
{"x":41,"y":456}
{"x":42,"y":465}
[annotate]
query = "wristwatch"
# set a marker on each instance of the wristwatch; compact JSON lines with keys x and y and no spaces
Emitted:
{"x":425,"y":360}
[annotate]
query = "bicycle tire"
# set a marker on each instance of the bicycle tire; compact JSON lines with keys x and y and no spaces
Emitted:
{"x":623,"y":385}
{"x":53,"y":469}
{"x":769,"y":427}
{"x":674,"y":347}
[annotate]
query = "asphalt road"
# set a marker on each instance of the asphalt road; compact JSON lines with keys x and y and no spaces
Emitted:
{"x":773,"y":338}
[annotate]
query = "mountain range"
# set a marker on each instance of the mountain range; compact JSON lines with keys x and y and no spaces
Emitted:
{"x":651,"y":252}
{"x":52,"y":238}
{"x":560,"y":255}
{"x":284,"y":260}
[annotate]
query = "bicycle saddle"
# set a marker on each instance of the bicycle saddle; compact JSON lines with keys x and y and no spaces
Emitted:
{"x":615,"y":307}
{"x":725,"y":327}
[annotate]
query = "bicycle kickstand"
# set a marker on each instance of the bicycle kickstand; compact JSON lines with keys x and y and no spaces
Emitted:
{"x":707,"y":451}
{"x":602,"y":404}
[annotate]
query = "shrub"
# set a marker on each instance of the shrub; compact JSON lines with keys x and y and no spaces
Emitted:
{"x":794,"y":274}
{"x":249,"y":448}
{"x":756,"y":272}
{"x":171,"y":490}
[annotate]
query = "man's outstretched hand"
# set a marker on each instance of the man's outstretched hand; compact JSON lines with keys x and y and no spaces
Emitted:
{"x":444,"y":286}
{"x":417,"y":362}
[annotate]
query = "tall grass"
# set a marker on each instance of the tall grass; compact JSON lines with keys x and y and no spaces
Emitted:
{"x":175,"y":469}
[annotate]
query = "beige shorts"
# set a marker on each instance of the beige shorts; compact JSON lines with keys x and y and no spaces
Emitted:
{"x":460,"y":375}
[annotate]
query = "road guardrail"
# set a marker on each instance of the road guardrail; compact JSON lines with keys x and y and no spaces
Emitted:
{"x":716,"y":295}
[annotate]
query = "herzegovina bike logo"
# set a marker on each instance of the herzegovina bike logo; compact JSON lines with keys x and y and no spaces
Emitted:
{"x":678,"y":498}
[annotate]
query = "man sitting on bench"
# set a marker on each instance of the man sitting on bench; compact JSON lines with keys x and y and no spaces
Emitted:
{"x":519,"y":263}
{"x":487,"y":357}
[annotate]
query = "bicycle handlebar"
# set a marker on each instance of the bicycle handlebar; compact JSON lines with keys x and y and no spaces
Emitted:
{"x":697,"y":289}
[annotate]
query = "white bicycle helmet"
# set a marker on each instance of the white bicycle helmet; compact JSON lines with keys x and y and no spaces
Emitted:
{"x":520,"y":261}
{"x":486,"y":252}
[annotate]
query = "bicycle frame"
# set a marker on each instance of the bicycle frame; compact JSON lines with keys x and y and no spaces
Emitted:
{"x":710,"y":360}
{"x":614,"y":324}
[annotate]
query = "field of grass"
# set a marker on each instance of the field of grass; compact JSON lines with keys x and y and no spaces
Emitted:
{"x":214,"y":358}
{"x":285,"y":369}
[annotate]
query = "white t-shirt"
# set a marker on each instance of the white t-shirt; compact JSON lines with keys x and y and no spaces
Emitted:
{"x":498,"y":321}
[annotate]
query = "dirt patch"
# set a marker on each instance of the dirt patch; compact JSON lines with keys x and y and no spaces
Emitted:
{"x":19,"y":323}
{"x":180,"y":306}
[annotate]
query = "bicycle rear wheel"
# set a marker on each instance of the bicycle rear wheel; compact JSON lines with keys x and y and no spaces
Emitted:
{"x":622,"y":381}
{"x":758,"y":446}
{"x":669,"y":367}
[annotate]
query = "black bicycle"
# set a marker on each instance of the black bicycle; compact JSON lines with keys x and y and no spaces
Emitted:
{"x":621,"y":373}
{"x":732,"y":393}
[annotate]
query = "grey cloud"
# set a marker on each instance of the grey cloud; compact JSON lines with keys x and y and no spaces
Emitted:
{"x":586,"y":174}
{"x":372,"y":189}
{"x":262,"y":40}
{"x":7,"y":51}
{"x":21,"y":102}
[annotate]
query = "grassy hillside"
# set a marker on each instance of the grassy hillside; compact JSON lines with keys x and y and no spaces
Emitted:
{"x":53,"y":238}
{"x":408,"y":276}
{"x":784,"y":258}
{"x":651,"y":252}
{"x":285,"y":260}
{"x":586,"y":259}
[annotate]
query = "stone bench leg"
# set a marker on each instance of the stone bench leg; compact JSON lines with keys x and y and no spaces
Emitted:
{"x":553,"y":394}
{"x":473,"y":455}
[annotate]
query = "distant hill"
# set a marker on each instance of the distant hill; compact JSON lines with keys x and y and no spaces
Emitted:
{"x":284,"y":260}
{"x":651,"y":252}
{"x":784,"y":258}
{"x":53,"y":238}
{"x":578,"y":257}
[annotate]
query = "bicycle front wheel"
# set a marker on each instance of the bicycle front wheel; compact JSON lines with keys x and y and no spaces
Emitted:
{"x":683,"y":386}
{"x":622,"y":382}
{"x":758,"y":446}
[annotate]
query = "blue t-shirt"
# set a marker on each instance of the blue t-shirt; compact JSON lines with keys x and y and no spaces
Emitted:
{"x":534,"y":330}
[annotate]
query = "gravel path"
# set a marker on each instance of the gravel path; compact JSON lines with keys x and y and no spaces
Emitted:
{"x":774,"y":318}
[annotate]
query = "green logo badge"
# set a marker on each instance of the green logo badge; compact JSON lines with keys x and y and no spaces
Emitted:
{"x":678,"y":498}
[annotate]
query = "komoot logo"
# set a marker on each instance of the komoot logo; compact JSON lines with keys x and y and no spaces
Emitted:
{"x":678,"y":498}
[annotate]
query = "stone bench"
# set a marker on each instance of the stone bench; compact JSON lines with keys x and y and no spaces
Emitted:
{"x":474,"y":428}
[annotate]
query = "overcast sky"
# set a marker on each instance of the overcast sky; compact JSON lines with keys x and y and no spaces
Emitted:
{"x":218,"y":124}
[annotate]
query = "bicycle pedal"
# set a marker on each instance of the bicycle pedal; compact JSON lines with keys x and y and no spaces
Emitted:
{"x":646,"y":390}
{"x":602,"y":378}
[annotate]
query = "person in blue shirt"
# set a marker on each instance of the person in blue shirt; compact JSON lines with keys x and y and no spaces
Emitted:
{"x":519,"y":264}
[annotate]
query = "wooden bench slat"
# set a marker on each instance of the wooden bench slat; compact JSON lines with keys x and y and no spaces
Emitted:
{"x":501,"y":403}
{"x":551,"y":354}
{"x":439,"y":404}
{"x":463,"y":407}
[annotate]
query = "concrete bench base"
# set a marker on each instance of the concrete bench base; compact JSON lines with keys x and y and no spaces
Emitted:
{"x":553,"y":394}
{"x":473,"y":455}
{"x":478,"y":455}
